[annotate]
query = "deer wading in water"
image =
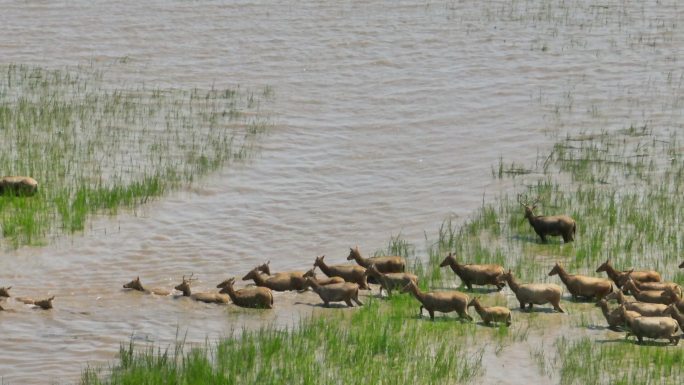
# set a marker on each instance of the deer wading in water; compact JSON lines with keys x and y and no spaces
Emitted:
{"x":553,"y":225}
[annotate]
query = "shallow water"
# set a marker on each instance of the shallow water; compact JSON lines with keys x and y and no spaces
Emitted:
{"x":389,"y":117}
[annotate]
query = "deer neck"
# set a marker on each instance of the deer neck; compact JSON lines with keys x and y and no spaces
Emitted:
{"x":360,"y":260}
{"x":420,"y":296}
{"x":324,"y":268}
{"x":604,"y":308}
{"x":186,"y":292}
{"x":230,"y":291}
{"x":258,"y":279}
{"x":478,"y":307}
{"x":455,"y":266}
{"x":513,"y":284}
{"x":632,"y":286}
{"x":612,"y":273}
{"x":563,"y":275}
{"x":315,"y":286}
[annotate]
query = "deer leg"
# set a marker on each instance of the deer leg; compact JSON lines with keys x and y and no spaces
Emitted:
{"x":468,"y":285}
{"x":432,"y":314}
{"x":522,"y":305}
{"x":349,"y":302}
{"x":420,"y":312}
{"x":356,"y":299}
{"x":675,"y":340}
{"x":326,"y":303}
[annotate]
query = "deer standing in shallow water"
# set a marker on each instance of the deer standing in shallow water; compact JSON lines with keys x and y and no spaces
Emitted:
{"x":391,"y":264}
{"x":619,"y":277}
{"x":553,"y":225}
{"x":582,"y":285}
{"x":254,"y":297}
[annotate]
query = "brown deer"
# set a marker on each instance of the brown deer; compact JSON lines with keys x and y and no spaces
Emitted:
{"x":137,"y":286}
{"x":554,"y":225}
{"x":441,"y":301}
{"x":350,"y":273}
{"x":4,"y":291}
{"x":18,"y":185}
{"x":473,"y":274}
{"x":278,"y":282}
{"x":44,"y":304}
{"x":253,"y":297}
{"x":619,"y":277}
{"x":336,"y":292}
{"x":311,"y":273}
{"x":391,"y":264}
{"x":681,"y":265}
{"x":582,"y":285}
{"x":184,"y":287}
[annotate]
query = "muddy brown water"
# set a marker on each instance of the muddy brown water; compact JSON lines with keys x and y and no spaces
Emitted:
{"x":388,"y":118}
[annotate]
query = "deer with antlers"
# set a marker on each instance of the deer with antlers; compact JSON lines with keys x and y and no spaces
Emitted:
{"x":184,"y":287}
{"x":553,"y":225}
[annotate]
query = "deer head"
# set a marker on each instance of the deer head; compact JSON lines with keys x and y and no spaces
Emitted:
{"x":529,"y":208}
{"x":134,"y":284}
{"x":4,"y":291}
{"x":185,"y":285}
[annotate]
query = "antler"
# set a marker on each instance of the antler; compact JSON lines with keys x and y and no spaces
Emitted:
{"x":520,"y":196}
{"x":190,"y":279}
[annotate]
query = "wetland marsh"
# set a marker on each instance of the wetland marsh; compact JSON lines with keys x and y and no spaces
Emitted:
{"x":414,"y":122}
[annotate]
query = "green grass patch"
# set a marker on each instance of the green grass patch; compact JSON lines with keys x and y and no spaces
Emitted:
{"x":95,"y":148}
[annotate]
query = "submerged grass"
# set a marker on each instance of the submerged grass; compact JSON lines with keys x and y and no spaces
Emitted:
{"x":95,"y":148}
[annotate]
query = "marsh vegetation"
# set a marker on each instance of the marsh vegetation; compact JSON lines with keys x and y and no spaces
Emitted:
{"x":95,"y":148}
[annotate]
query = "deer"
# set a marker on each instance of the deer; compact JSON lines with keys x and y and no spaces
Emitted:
{"x":18,"y":185}
{"x":137,"y":286}
{"x":441,"y":301}
{"x":619,"y":277}
{"x":4,"y":292}
{"x":391,"y":264}
{"x":184,"y":287}
{"x":349,"y":273}
{"x":278,"y":282}
{"x":389,"y":281}
{"x":472,"y":274}
{"x":582,"y":285}
{"x":252,"y":297}
{"x":311,"y":273}
{"x":336,"y":292}
{"x":44,"y":304}
{"x":534,"y":293}
{"x":554,"y":225}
